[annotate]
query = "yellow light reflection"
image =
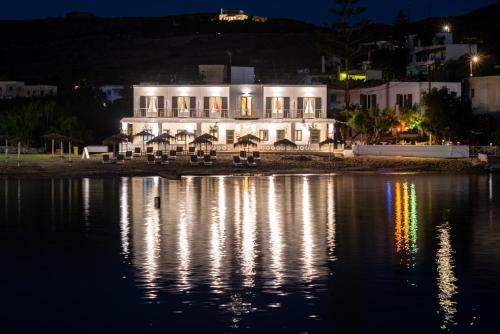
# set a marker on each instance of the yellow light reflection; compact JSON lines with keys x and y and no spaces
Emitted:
{"x":218,"y":236}
{"x":124,"y":216}
{"x":152,"y":238}
{"x":331,"y":219}
{"x":406,"y":222}
{"x":86,"y":198}
{"x":275,"y":242}
{"x":308,"y":243}
{"x":446,"y":278}
{"x":184,"y":256}
{"x":248,"y":241}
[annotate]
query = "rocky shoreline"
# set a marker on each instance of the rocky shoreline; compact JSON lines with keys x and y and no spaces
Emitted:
{"x":43,"y":166}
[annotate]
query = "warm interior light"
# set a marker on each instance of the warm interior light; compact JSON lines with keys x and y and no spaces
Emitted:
{"x":446,"y":28}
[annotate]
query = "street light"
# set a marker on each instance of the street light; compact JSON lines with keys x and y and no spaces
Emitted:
{"x":474,"y":59}
{"x":446,"y":28}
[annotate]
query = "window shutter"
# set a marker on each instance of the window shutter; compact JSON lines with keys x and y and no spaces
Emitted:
{"x":268,"y":103}
{"x":192,"y":103}
{"x":142,"y":102}
{"x":286,"y":103}
{"x":224,"y":103}
{"x":161,"y":102}
{"x":410,"y":100}
{"x":206,"y":103}
{"x":374,"y":101}
{"x":300,"y":103}
{"x":318,"y":103}
{"x":174,"y":102}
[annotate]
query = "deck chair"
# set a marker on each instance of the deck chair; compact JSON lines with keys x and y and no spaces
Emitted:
{"x":237,"y":161}
{"x":120,"y":159}
{"x":137,"y":152}
{"x":128,"y":155}
{"x":243,"y":155}
{"x":192,"y":150}
{"x":149,"y":150}
{"x":200,"y":154}
{"x":256,"y":155}
{"x":213,"y":154}
{"x":164,"y":159}
{"x":180,"y":150}
{"x":172,"y":155}
{"x":106,"y":159}
{"x":150,"y":159}
{"x":207,"y":161}
{"x":193,"y":160}
{"x":251,"y":162}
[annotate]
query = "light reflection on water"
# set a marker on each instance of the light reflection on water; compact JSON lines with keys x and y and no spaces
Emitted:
{"x":244,"y":246}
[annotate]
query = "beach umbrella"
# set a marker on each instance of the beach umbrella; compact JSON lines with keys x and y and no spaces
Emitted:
{"x":208,"y":136}
{"x":143,"y":134}
{"x":161,"y":139}
{"x":328,"y":141}
{"x":250,"y":137}
{"x":200,"y":141}
{"x":53,"y":137}
{"x":184,"y":134}
{"x":115,"y":139}
{"x":6,"y":139}
{"x":285,"y":143}
{"x":245,"y":142}
{"x":18,"y":139}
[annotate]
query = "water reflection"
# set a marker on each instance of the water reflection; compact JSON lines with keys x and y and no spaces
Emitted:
{"x":446,"y":277}
{"x":275,"y":235}
{"x":406,"y":220}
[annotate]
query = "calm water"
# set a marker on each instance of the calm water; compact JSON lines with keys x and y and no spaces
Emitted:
{"x":335,"y":253}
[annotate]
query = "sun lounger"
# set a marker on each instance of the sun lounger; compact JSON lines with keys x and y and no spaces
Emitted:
{"x":213,"y":154}
{"x":120,"y":159}
{"x":164,"y":159}
{"x":256,"y":155}
{"x":150,"y":159}
{"x":172,"y":155}
{"x":193,"y":160}
{"x":192,"y":150}
{"x":159,"y":153}
{"x":243,"y":155}
{"x":180,"y":149}
{"x":106,"y":159}
{"x":200,"y":154}
{"x":237,"y":161}
{"x":128,"y":155}
{"x":207,"y":161}
{"x":149,"y":150}
{"x":137,"y":152}
{"x":251,"y":162}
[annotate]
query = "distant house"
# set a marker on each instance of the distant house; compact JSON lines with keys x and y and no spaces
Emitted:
{"x":15,"y":89}
{"x":213,"y":74}
{"x":439,"y":53}
{"x":112,"y":92}
{"x":484,"y":94}
{"x":232,"y":15}
{"x":398,"y":95}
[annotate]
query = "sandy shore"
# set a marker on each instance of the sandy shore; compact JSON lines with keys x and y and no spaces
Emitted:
{"x":45,"y":166}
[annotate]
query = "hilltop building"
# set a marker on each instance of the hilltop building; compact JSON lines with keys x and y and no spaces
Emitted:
{"x":232,"y":15}
{"x":15,"y":89}
{"x":440,"y":52}
{"x":270,"y":112}
{"x":112,"y":93}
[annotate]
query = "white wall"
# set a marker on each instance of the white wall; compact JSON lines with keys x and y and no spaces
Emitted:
{"x":434,"y":151}
{"x":486,"y":94}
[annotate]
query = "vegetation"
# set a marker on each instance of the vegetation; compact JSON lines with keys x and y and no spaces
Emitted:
{"x":373,"y":123}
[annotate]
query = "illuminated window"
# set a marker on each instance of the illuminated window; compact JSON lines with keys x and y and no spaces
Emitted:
{"x":277,"y":104}
{"x":246,"y":106}
{"x":264,"y":135}
{"x":149,"y":104}
{"x":309,"y":105}
{"x":183,"y":103}
{"x":215,"y":104}
{"x":298,"y":135}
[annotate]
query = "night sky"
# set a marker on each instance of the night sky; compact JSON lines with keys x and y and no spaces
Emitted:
{"x":314,"y":11}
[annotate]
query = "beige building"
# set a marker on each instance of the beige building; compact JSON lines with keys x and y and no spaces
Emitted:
{"x":270,"y":112}
{"x":14,"y":89}
{"x":484,"y":93}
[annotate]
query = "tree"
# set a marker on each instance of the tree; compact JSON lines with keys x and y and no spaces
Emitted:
{"x":447,"y":117}
{"x":347,"y":35}
{"x":374,"y":123}
{"x":411,"y":118}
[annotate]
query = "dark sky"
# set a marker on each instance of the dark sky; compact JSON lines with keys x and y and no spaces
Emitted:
{"x":308,"y":10}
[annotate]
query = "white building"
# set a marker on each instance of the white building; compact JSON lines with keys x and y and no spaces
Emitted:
{"x":14,"y":89}
{"x":270,"y":112}
{"x":112,"y":92}
{"x":484,"y":93}
{"x":397,"y":94}
{"x":439,"y":53}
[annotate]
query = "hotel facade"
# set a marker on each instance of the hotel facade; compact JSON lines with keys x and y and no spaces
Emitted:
{"x":271,"y":112}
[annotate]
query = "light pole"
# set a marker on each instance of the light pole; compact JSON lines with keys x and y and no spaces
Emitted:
{"x":473,"y":60}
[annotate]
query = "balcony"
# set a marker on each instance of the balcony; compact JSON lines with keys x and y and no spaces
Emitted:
{"x":178,"y":113}
{"x":278,"y":115}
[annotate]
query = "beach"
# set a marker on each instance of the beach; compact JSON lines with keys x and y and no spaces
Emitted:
{"x":41,"y":166}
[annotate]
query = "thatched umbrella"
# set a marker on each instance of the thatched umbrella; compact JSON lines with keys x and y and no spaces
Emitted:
{"x":208,"y":136}
{"x":53,"y":137}
{"x":245,"y":142}
{"x":18,"y":139}
{"x":6,"y":139}
{"x":161,"y":139}
{"x":115,"y":139}
{"x":328,"y":141}
{"x":184,"y":134}
{"x":200,"y":140}
{"x":251,"y":137}
{"x":285,"y":143}
{"x":143,"y":134}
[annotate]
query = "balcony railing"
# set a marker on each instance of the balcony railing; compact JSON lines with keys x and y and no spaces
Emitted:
{"x":203,"y":113}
